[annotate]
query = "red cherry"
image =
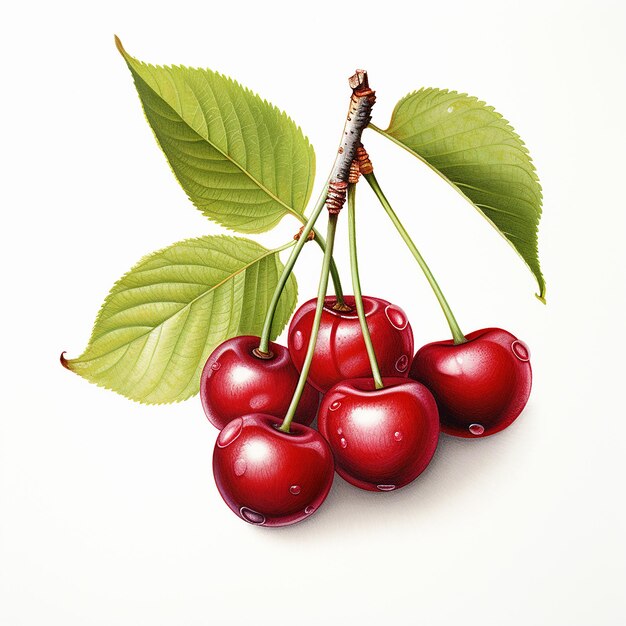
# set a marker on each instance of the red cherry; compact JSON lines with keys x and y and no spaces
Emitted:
{"x":480,"y":386}
{"x":268,"y":477}
{"x":381,"y":439}
{"x":235,"y":382}
{"x":340,"y":351}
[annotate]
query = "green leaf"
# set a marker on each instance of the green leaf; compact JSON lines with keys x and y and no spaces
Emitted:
{"x":476,"y":150}
{"x":162,"y":319}
{"x":241,"y":161}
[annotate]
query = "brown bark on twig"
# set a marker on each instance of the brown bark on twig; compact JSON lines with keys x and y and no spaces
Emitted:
{"x":310,"y":236}
{"x":359,"y":116}
{"x":365,"y":165}
{"x":355,"y":172}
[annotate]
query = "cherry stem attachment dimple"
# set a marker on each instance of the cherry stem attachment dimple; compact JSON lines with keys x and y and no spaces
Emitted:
{"x":356,"y":287}
{"x":321,"y":297}
{"x":457,"y":334}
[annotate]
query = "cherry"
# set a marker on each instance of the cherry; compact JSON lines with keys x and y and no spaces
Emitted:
{"x":340,"y":351}
{"x":381,"y":439}
{"x":480,"y":386}
{"x":269,"y":477}
{"x":236,"y":382}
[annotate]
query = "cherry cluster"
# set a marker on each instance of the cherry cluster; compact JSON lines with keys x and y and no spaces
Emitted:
{"x":350,"y":361}
{"x":382,"y":406}
{"x":378,"y":438}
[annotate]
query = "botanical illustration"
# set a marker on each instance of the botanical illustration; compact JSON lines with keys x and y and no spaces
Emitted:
{"x":201,"y":316}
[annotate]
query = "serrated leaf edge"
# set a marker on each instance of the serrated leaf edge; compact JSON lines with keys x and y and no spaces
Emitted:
{"x":67,"y":363}
{"x":522,"y":147}
{"x":292,"y":211}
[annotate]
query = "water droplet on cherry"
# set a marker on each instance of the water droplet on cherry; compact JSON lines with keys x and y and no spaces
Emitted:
{"x":215,"y":366}
{"x":309,"y":510}
{"x":385,"y":487}
{"x":294,"y":490}
{"x":402,"y":363}
{"x":476,"y":429}
{"x":334,"y":406}
{"x":252,"y":516}
{"x":230,"y":432}
{"x":396,"y":316}
{"x":298,"y":340}
{"x":521,"y":350}
{"x":343,"y":443}
{"x":240,"y":467}
{"x":397,"y":435}
{"x":340,"y":431}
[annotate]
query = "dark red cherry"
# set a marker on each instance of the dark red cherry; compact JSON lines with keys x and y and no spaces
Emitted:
{"x":268,"y":477}
{"x":381,"y":439}
{"x":480,"y":386}
{"x":235,"y":382}
{"x":340,"y":351}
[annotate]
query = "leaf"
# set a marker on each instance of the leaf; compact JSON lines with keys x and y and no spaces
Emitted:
{"x":476,"y":150}
{"x":240,"y":160}
{"x":162,"y":319}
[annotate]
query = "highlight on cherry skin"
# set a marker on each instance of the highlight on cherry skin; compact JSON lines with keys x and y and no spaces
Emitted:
{"x":480,"y":386}
{"x":236,"y":382}
{"x":340,"y":351}
{"x":268,"y":477}
{"x":382,"y":439}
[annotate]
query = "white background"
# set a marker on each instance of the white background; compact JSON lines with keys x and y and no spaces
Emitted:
{"x":108,"y":511}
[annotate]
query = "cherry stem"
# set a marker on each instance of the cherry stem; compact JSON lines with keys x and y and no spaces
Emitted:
{"x":334,"y":272}
{"x":321,"y":296}
{"x":264,"y":344}
{"x":358,"y":117}
{"x":457,"y":334}
{"x":356,"y":287}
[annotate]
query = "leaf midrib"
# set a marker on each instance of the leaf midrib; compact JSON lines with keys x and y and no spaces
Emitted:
{"x":261,"y":186}
{"x":398,"y":142}
{"x":188,"y":305}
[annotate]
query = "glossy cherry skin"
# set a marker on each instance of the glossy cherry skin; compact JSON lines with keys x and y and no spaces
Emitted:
{"x":480,"y":386}
{"x":271,"y":478}
{"x":382,"y":439}
{"x":235,"y":382}
{"x":340,"y":351}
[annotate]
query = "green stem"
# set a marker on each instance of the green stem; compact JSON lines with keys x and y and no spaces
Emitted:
{"x":334,"y":273}
{"x":457,"y":334}
{"x":321,"y":295}
{"x":356,"y":286}
{"x":285,"y":246}
{"x":263,"y":351}
{"x":322,"y":243}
